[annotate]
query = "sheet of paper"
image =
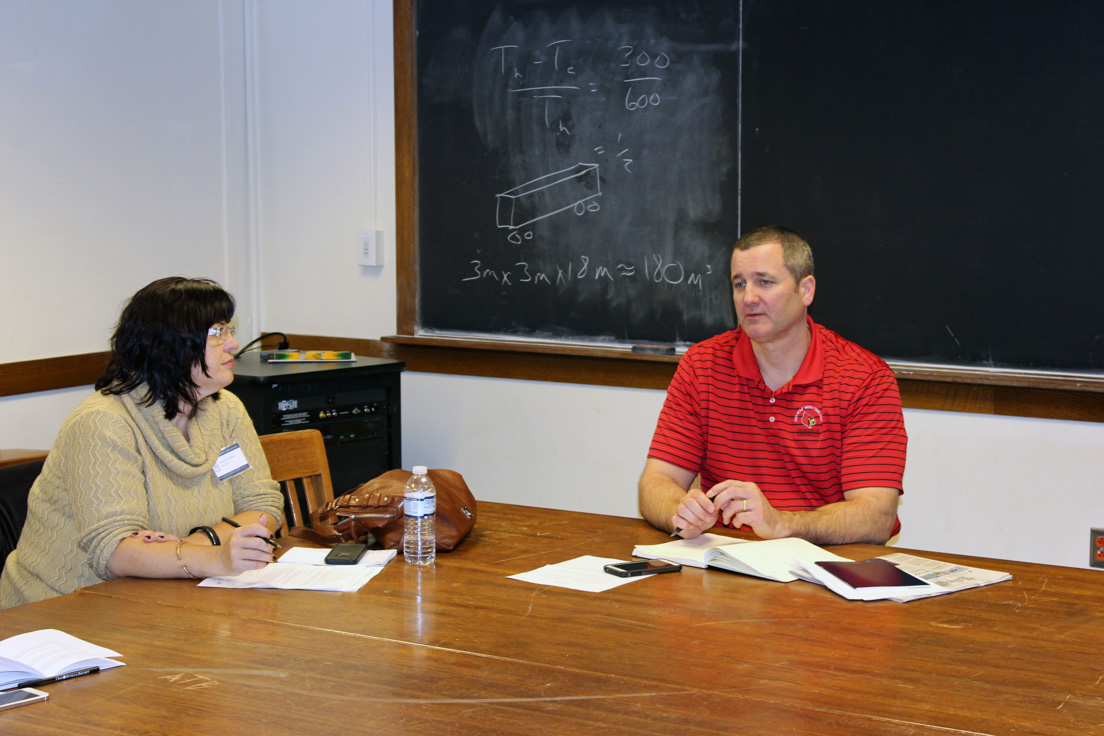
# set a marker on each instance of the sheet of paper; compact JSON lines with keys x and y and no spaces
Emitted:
{"x":312,"y":556}
{"x":582,"y":573}
{"x":290,"y":576}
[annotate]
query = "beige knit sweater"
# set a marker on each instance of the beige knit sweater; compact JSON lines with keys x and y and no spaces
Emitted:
{"x":118,"y":467}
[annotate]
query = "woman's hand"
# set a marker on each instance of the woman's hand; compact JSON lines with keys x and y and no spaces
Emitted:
{"x":142,"y":555}
{"x":246,"y":548}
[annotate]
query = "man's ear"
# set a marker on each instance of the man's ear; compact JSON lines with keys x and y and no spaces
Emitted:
{"x":807,"y":287}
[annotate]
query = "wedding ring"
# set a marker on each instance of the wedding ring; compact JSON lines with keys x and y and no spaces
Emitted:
{"x":745,"y":503}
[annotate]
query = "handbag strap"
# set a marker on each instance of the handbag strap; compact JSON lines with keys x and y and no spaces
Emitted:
{"x":350,"y":517}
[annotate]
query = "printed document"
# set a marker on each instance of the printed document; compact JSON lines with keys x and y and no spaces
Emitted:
{"x":291,"y":576}
{"x":582,"y":573}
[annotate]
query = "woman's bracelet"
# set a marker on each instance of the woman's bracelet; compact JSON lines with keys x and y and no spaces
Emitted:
{"x":181,"y":560}
{"x":211,"y":534}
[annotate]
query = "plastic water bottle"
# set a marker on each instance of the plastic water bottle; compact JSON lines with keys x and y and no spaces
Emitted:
{"x":419,"y":532}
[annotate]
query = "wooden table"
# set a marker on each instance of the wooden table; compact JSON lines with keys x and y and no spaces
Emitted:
{"x":461,"y":649}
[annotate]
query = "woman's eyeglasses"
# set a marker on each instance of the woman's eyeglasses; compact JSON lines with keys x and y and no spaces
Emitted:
{"x":221,"y":333}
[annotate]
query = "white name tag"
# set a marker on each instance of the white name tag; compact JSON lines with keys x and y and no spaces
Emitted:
{"x":231,"y":461}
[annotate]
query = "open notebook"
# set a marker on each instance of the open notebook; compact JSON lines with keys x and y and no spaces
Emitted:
{"x":773,"y":559}
{"x":47,"y":653}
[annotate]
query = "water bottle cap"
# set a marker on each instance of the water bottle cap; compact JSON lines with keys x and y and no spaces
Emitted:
{"x":419,"y":470}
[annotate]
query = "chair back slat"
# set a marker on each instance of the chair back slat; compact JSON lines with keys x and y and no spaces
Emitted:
{"x":297,"y":461}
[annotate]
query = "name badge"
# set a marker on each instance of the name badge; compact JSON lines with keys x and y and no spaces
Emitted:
{"x":231,"y":461}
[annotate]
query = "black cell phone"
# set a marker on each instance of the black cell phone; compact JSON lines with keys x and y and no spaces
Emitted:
{"x":647,"y":567}
{"x":346,"y":553}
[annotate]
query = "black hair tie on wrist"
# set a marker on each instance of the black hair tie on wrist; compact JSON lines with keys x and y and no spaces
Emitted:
{"x":209,"y":532}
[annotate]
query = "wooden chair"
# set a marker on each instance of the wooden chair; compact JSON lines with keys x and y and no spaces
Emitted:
{"x":298,"y":463}
{"x":14,"y":457}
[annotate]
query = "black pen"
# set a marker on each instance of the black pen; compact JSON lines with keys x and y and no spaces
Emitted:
{"x":59,"y":678}
{"x":676,"y":532}
{"x":236,"y":525}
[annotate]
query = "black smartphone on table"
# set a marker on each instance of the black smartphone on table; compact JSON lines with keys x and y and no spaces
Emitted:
{"x":346,"y":553}
{"x":646,"y":567}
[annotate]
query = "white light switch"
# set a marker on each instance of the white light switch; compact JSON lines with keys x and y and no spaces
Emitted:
{"x":369,"y":243}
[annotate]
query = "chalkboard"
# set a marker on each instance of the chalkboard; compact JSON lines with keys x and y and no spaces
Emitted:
{"x":583,"y":169}
{"x":577,"y":168}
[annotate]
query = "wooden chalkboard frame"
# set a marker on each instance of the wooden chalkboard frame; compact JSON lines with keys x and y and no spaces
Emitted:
{"x":408,"y":313}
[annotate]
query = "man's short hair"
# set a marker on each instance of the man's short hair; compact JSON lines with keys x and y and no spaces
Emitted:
{"x":796,"y":253}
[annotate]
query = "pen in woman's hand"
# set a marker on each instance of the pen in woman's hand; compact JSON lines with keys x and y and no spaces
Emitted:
{"x":236,"y":525}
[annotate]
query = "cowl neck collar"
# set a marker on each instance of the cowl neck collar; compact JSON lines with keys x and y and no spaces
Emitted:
{"x":187,"y":458}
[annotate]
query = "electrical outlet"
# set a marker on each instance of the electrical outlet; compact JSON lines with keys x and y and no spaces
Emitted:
{"x":369,"y":243}
{"x":1096,"y":548}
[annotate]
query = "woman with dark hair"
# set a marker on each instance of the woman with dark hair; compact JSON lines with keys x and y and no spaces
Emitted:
{"x":159,"y":447}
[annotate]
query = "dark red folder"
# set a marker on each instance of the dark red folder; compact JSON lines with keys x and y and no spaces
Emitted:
{"x":873,"y":573}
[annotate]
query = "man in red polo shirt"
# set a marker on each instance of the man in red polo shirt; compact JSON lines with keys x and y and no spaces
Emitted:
{"x":795,"y":431}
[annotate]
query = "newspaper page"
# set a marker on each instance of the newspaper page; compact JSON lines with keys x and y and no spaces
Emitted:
{"x":949,"y":576}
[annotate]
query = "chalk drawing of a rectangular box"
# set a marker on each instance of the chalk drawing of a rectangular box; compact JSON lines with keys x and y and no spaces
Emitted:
{"x":548,"y":195}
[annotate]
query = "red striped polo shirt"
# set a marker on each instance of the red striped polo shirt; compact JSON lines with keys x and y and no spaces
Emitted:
{"x":836,"y":426}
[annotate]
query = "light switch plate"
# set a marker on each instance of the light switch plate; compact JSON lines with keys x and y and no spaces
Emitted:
{"x":369,"y":243}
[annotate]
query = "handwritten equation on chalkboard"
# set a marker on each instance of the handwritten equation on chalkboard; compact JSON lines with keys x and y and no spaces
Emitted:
{"x":577,"y":175}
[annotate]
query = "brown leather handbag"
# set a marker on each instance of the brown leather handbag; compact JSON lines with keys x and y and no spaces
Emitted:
{"x":375,"y":509}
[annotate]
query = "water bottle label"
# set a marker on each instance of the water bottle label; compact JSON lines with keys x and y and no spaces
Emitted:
{"x":419,"y":506}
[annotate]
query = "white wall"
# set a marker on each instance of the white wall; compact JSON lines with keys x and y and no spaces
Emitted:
{"x":121,"y":161}
{"x":113,"y":163}
{"x":327,"y":165}
{"x":543,"y":444}
{"x":1011,"y":487}
{"x":249,"y":141}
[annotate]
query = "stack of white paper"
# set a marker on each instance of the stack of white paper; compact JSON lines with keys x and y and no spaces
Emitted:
{"x":289,"y":576}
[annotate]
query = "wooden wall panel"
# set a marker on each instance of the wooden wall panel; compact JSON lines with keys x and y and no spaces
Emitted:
{"x":605,"y":368}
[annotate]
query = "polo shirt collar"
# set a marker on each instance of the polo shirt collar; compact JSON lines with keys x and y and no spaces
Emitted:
{"x":810,"y":371}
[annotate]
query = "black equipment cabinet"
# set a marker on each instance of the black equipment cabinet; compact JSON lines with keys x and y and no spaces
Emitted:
{"x":356,"y":407}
